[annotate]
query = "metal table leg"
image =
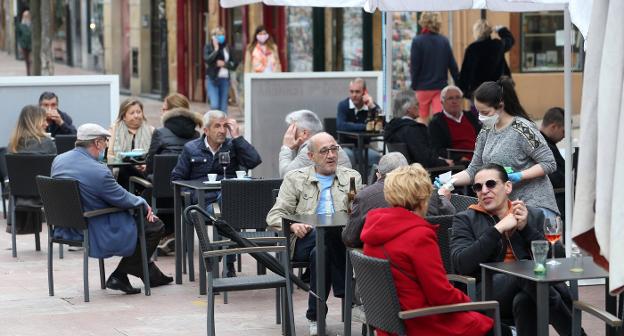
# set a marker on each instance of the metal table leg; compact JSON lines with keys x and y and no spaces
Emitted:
{"x":320,"y":280}
{"x":542,"y":308}
{"x":177,"y":213}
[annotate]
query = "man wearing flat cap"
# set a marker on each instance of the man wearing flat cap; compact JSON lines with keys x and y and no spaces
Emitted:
{"x":113,"y":234}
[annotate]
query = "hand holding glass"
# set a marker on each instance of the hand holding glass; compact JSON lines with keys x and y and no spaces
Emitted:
{"x":539,"y":248}
{"x":552,"y":231}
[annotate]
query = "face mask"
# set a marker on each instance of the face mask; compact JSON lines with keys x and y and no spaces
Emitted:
{"x":262,"y":37}
{"x":101,"y":155}
{"x":221,"y":39}
{"x":489,"y":121}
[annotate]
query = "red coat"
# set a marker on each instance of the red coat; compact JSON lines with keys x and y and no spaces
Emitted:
{"x":412,"y":244}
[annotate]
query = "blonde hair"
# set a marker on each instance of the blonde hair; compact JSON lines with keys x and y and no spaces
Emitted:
{"x":408,"y":187}
{"x":125,"y":106}
{"x":28,"y":127}
{"x":430,"y":21}
{"x":481,"y":30}
{"x":177,"y":100}
{"x":216,"y":30}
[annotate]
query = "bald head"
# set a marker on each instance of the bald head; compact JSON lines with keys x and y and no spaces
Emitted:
{"x":319,"y":138}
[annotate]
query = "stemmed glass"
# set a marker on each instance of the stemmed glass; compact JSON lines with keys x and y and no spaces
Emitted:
{"x":552,"y":232}
{"x":224,"y":161}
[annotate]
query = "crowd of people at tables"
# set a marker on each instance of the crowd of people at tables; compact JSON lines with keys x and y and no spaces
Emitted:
{"x":508,"y":164}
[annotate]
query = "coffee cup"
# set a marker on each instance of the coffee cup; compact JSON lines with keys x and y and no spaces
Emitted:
{"x":212,"y":177}
{"x":240,"y":174}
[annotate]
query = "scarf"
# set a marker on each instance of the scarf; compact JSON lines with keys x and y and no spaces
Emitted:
{"x":260,"y":58}
{"x":123,"y":137}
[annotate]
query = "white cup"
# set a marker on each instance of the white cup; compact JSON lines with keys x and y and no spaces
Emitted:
{"x":240,"y":173}
{"x":212,"y":177}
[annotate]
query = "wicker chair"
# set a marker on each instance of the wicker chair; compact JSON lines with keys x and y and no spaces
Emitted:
{"x":381,"y":303}
{"x":461,"y":202}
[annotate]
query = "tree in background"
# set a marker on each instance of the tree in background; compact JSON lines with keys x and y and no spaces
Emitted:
{"x":42,"y":35}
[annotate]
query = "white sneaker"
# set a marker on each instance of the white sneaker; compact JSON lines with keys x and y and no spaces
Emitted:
{"x":313,"y":328}
{"x":513,"y":331}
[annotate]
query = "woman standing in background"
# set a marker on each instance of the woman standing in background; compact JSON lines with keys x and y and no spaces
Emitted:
{"x":262,"y":54}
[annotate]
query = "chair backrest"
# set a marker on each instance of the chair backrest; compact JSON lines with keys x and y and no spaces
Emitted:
{"x":400,"y":147}
{"x":329,"y":125}
{"x":444,"y":224}
{"x":245,"y":203}
{"x":197,"y":220}
{"x":378,"y":293}
{"x":161,"y":180}
{"x":461,"y":202}
{"x":3,"y":166}
{"x":61,"y":202}
{"x":22,"y":170}
{"x":64,"y":142}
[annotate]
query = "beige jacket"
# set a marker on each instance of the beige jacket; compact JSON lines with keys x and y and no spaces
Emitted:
{"x":300,"y":194}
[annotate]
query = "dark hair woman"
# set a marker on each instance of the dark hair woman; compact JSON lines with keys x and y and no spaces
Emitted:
{"x":262,"y":54}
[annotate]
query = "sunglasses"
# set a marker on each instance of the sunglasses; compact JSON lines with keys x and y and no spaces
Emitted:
{"x":490,"y":184}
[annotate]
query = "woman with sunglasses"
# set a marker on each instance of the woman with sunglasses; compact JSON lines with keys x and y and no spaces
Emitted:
{"x":509,"y":138}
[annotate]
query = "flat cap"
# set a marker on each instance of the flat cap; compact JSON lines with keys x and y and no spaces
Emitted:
{"x":91,"y":131}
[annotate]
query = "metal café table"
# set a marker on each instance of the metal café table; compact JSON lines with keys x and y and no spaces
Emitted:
{"x":202,"y":186}
{"x":361,"y":155}
{"x":557,"y":273}
{"x":321,"y":223}
{"x":116,"y":163}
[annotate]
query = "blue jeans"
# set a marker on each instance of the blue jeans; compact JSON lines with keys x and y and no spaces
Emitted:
{"x":217,"y":91}
{"x":335,"y":254}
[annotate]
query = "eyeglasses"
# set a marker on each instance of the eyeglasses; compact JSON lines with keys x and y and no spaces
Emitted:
{"x":454,"y":98}
{"x":325,"y":150}
{"x":478,"y":187}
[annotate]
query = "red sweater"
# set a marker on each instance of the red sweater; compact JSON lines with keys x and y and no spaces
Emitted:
{"x":412,"y":244}
{"x":463,"y":135}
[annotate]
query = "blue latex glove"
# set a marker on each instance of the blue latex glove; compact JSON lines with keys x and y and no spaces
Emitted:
{"x":515,"y":177}
{"x":437,"y":183}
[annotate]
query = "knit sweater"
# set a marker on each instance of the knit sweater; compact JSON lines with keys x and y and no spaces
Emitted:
{"x":519,"y":146}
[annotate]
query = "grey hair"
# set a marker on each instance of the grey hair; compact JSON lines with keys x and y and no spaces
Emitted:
{"x":450,"y":87}
{"x":212,"y":115}
{"x":305,"y":119}
{"x":403,"y":101}
{"x":390,"y":162}
{"x":360,"y":81}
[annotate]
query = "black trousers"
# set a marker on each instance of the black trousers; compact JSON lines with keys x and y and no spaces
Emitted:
{"x":517,"y":299}
{"x":133,"y":264}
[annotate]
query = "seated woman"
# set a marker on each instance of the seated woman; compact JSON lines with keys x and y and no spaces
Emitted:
{"x":129,"y":132}
{"x":29,"y":136}
{"x":402,"y":236}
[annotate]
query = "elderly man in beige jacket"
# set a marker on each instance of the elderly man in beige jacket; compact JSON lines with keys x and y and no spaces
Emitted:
{"x":319,"y":188}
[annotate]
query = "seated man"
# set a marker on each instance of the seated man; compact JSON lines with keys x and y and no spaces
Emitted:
{"x":200,"y":157}
{"x":407,"y":127}
{"x":303,"y":124}
{"x":59,"y":122}
{"x":352,"y":115}
{"x":319,"y":188}
{"x":498,"y":229}
{"x":372,"y":197}
{"x":454,"y":128}
{"x":112,"y":234}
{"x":553,"y":130}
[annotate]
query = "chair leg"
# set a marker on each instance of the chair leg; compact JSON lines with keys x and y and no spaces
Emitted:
{"x":239,"y":260}
{"x":102,"y":274}
{"x":190,"y":248}
{"x":13,"y":230}
{"x":210,"y":300}
{"x":61,"y":256}
{"x":50,"y":274}
{"x":85,"y":269}
{"x":4,"y":210}
{"x":146,"y":277}
{"x":278,"y":306}
{"x":37,"y":242}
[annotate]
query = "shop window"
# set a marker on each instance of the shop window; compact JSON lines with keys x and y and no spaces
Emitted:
{"x":352,"y":42}
{"x":542,"y":37}
{"x":299,"y":39}
{"x":404,"y":29}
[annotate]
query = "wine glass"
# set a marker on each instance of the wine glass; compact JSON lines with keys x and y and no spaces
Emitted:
{"x":224,"y":161}
{"x":552,"y":232}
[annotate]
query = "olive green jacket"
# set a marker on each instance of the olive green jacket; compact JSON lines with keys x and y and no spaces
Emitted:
{"x":300,"y":194}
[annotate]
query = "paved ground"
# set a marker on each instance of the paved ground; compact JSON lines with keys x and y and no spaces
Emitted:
{"x":26,"y":308}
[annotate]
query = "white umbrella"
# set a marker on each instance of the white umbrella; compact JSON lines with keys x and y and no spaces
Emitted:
{"x":598,"y":207}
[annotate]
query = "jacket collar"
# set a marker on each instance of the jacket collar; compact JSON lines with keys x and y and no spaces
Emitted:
{"x":342,"y":178}
{"x":477,"y":207}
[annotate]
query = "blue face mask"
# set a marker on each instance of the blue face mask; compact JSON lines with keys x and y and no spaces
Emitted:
{"x":101,"y":156}
{"x":221,"y":39}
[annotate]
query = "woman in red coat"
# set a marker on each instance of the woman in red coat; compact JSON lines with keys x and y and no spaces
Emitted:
{"x":401,"y":235}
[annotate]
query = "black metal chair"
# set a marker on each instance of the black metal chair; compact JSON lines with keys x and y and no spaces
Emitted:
{"x":462,"y":202}
{"x":3,"y":180}
{"x":381,"y":303}
{"x":64,"y":142}
{"x":160,"y":185}
{"x":22,"y":170}
{"x":400,"y":147}
{"x":445,"y":224}
{"x":212,"y":250}
{"x":63,"y":209}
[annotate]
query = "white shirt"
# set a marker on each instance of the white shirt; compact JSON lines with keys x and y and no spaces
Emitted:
{"x":452,"y":117}
{"x":214,"y":152}
{"x":355,"y":109}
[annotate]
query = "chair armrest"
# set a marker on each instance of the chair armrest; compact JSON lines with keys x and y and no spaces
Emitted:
{"x":470,"y":282}
{"x":450,"y":151}
{"x":140,"y":181}
{"x":216,"y":209}
{"x":458,"y":307}
{"x":605,"y":316}
{"x":100,"y":212}
{"x":243,"y":250}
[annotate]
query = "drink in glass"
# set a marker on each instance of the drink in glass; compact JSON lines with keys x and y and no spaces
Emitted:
{"x":539,"y":248}
{"x":224,"y":161}
{"x":577,"y":260}
{"x":552,"y":232}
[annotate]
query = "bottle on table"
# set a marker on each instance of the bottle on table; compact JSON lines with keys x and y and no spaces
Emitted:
{"x":351,"y":194}
{"x":370,"y":121}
